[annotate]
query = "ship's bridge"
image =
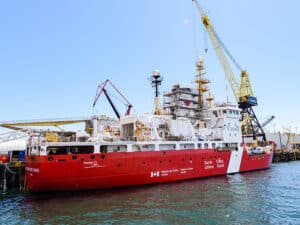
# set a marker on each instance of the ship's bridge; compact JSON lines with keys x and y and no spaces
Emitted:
{"x":226,"y":111}
{"x":223,"y":124}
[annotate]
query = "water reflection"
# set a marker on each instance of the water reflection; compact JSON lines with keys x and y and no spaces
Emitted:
{"x":262,"y":197}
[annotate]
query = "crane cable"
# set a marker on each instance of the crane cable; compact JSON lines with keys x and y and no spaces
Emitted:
{"x":205,"y":45}
{"x":116,"y":97}
{"x":205,"y":41}
{"x":210,"y":27}
{"x":226,"y":49}
{"x":194,"y":32}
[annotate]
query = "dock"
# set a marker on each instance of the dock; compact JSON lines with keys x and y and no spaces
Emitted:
{"x":285,"y":156}
{"x":12,"y":176}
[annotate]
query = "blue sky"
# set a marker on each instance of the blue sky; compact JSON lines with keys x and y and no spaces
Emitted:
{"x":53,"y":54}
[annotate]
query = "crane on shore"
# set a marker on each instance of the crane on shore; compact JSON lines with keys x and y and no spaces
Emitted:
{"x":242,"y":91}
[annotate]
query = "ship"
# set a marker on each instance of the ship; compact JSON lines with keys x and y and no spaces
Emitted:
{"x":189,"y":137}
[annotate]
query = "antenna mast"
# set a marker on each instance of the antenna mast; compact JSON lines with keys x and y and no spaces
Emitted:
{"x":156,"y":80}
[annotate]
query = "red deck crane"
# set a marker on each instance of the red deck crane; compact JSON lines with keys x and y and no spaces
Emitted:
{"x":102,"y":88}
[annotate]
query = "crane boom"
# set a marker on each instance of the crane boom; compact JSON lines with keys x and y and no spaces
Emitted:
{"x":219,"y":51}
{"x":102,"y":88}
{"x":111,"y":103}
{"x":269,"y":120}
{"x":242,"y":91}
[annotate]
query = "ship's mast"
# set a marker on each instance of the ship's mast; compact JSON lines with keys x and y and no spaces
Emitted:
{"x":210,"y":100}
{"x":189,"y":101}
{"x":156,"y":80}
{"x":201,"y":85}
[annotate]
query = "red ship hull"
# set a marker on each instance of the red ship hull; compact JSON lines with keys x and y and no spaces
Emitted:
{"x":118,"y":169}
{"x":255,"y":162}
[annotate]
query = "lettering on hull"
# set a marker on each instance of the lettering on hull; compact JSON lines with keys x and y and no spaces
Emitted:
{"x":34,"y":170}
{"x":165,"y":173}
{"x":184,"y":170}
{"x":209,"y":164}
{"x":92,"y":164}
{"x":220,"y":163}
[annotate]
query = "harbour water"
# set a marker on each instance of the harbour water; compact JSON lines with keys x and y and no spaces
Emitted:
{"x":262,"y":197}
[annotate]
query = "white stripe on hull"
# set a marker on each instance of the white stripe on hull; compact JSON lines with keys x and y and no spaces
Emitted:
{"x":235,"y":161}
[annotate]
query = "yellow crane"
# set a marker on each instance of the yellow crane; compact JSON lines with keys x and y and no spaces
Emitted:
{"x":242,"y":91}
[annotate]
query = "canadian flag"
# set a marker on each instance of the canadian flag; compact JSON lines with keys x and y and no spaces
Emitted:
{"x":155,"y":174}
{"x":187,"y":102}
